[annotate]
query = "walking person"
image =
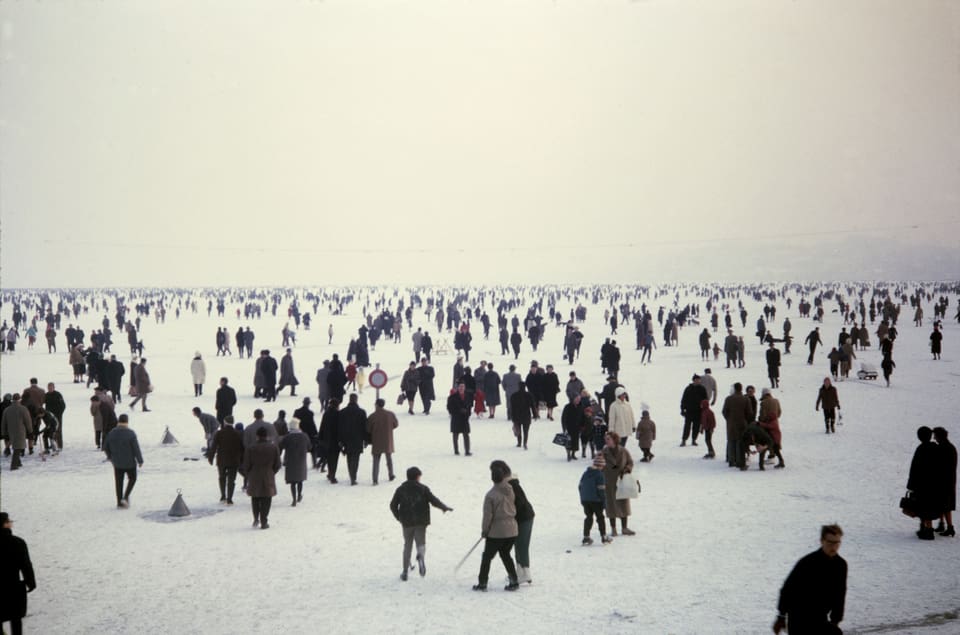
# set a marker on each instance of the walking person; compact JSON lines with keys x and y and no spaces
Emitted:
{"x":142,"y":385}
{"x":813,"y":596}
{"x":380,"y":427}
{"x":409,"y":384}
{"x":352,"y":434}
{"x":828,"y":398}
{"x":947,"y":479}
{"x":123,"y":450}
{"x":425,"y":375}
{"x":330,"y":440}
{"x":261,"y":462}
{"x":227,"y":447}
{"x":690,"y":409}
{"x":16,"y":576}
{"x":525,"y":515}
{"x":16,"y":426}
{"x":499,"y":529}
{"x":294,"y":446}
{"x":521,"y":403}
{"x":411,"y":506}
{"x":925,"y":490}
{"x":226,"y":400}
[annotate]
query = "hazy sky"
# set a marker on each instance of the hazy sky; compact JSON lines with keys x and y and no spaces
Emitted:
{"x":432,"y":141}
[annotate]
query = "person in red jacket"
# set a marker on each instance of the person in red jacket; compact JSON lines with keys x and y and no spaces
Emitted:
{"x":708,"y":423}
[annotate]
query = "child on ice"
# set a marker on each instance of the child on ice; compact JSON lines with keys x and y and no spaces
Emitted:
{"x":646,"y":433}
{"x":592,"y":498}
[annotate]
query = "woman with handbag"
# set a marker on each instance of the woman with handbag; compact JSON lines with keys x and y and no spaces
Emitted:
{"x":619,"y":464}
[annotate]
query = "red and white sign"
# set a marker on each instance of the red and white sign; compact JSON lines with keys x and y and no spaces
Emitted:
{"x":377,"y":379}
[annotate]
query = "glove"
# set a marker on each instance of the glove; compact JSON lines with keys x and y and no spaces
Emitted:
{"x":779,"y":625}
{"x":448,"y":509}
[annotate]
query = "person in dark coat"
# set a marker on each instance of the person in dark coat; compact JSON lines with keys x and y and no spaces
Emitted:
{"x":261,"y":462}
{"x":491,"y":389}
{"x":693,"y":396}
{"x":16,"y":576}
{"x":521,"y":405}
{"x":549,"y":389}
{"x":308,"y":426}
{"x":268,"y":371}
{"x":458,"y":406}
{"x":411,"y":506}
{"x":53,"y":402}
{"x":828,"y":398}
{"x":573,"y":419}
{"x":226,"y":400}
{"x":123,"y":450}
{"x":737,"y":412}
{"x":287,"y":376}
{"x":813,"y":595}
{"x":351,"y":434}
{"x":114,"y":380}
{"x":947,"y":479}
{"x":923,"y":484}
{"x":773,"y":365}
{"x":329,"y":438}
{"x":336,"y":379}
{"x":227,"y":447}
{"x":426,"y":374}
{"x":294,"y":446}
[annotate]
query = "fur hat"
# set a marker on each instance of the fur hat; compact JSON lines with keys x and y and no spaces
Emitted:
{"x":620,"y":391}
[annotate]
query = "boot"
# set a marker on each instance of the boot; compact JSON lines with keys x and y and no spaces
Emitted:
{"x":925,"y":533}
{"x":513,"y":585}
{"x":480,"y":587}
{"x":948,"y":532}
{"x":940,"y":528}
{"x":587,"y":540}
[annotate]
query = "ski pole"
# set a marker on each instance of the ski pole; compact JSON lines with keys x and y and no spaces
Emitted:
{"x":460,"y":564}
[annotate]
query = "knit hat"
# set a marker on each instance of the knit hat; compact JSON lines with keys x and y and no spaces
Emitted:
{"x":599,"y":462}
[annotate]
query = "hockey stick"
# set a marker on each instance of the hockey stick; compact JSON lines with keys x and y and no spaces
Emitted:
{"x":460,"y":564}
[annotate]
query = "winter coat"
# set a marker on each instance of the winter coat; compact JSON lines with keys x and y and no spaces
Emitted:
{"x":261,"y":462}
{"x":524,"y":508}
{"x":227,"y":445}
{"x":380,"y":427}
{"x":510,"y":383}
{"x":323,"y":391}
{"x":549,"y":388}
{"x":923,"y":481}
{"x":16,"y":425}
{"x":499,"y":512}
{"x":198,"y":370}
{"x":14,"y":563}
{"x":816,"y":588}
{"x":410,"y":381}
{"x":459,"y":410}
{"x":828,"y":398}
{"x":411,"y":504}
{"x":142,"y":380}
{"x":287,"y":377}
{"x":226,"y":400}
{"x":574,"y":388}
{"x":268,"y":368}
{"x":769,"y":417}
{"x":710,"y":385}
{"x":304,"y":415}
{"x":693,"y":396}
{"x":947,"y":474}
{"x":352,"y":429}
{"x":122,"y":448}
{"x":646,"y":432}
{"x":425,"y":375}
{"x":737,"y":412}
{"x":573,"y":419}
{"x":621,"y":419}
{"x":521,"y":404}
{"x":53,"y":402}
{"x":618,"y":463}
{"x":32,"y":396}
{"x":591,"y":486}
{"x":708,"y":420}
{"x":295,"y":446}
{"x":209,"y":423}
{"x":328,"y":432}
{"x":491,"y":387}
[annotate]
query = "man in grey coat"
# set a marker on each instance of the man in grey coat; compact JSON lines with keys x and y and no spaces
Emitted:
{"x":16,"y":426}
{"x":123,"y":450}
{"x":261,"y":462}
{"x":510,"y":384}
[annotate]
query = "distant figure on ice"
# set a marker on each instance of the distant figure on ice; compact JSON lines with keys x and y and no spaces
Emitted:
{"x":198,"y":371}
{"x":828,"y":398}
{"x":936,"y":340}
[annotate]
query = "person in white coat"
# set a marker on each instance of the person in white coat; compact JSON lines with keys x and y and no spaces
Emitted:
{"x":621,"y":419}
{"x":198,"y":369}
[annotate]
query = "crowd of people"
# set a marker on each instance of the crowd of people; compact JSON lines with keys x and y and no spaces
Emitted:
{"x":600,"y":421}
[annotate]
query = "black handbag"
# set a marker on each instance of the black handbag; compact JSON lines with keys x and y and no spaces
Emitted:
{"x":908,"y":505}
{"x":561,"y":438}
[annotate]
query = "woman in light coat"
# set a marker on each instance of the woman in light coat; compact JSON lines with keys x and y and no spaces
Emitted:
{"x":198,"y":370}
{"x":618,"y":463}
{"x":499,"y":528}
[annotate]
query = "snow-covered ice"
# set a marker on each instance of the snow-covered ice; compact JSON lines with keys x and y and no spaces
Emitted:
{"x":713,"y":545}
